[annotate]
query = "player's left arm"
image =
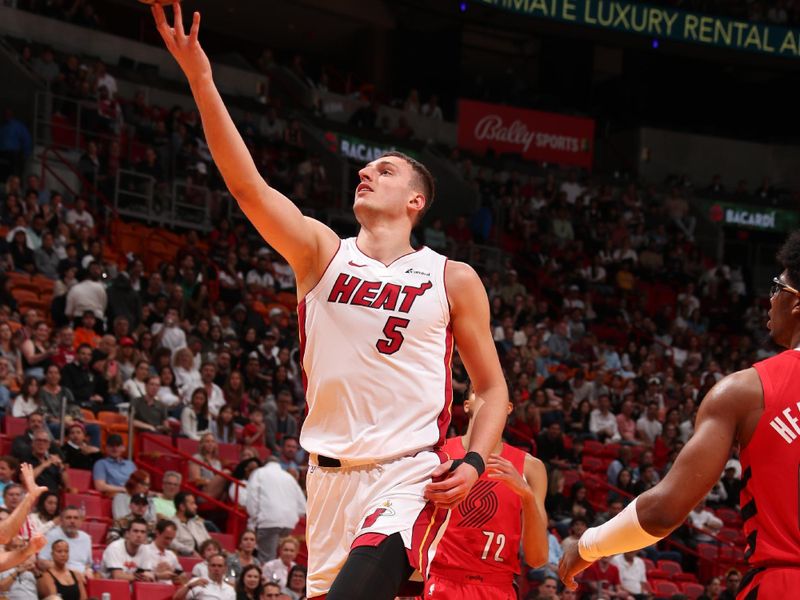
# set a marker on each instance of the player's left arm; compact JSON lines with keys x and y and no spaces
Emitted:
{"x":656,"y":513}
{"x":470,"y":322}
{"x":532,"y":490}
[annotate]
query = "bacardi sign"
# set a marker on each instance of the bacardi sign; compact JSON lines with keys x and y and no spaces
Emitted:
{"x":535,"y":135}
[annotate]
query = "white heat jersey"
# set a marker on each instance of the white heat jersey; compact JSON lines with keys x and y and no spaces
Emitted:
{"x":376,"y":347}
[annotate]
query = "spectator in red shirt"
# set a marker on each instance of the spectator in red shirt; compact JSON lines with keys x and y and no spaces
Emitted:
{"x":602,"y":578}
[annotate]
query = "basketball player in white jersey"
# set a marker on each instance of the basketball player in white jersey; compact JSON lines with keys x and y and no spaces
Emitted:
{"x":377,"y":328}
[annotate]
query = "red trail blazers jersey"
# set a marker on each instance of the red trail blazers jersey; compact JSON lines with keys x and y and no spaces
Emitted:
{"x":484,"y":532}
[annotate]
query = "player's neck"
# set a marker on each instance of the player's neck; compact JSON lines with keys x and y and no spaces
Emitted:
{"x":383,"y":242}
{"x":465,"y":441}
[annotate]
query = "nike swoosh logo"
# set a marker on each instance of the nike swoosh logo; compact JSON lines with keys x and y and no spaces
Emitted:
{"x":352,"y":264}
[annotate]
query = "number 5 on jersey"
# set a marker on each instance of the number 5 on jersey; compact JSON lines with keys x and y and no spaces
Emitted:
{"x":499,"y":540}
{"x":395,"y":337}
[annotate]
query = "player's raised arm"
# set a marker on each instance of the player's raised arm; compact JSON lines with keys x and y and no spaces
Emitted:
{"x":656,"y":513}
{"x":306,"y":244}
{"x":469,"y":317}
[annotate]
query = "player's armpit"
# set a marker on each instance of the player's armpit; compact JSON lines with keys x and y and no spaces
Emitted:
{"x":699,"y":465}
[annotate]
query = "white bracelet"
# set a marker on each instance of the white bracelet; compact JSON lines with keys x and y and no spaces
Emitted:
{"x":621,"y":534}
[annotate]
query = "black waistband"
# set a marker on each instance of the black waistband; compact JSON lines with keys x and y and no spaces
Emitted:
{"x":328,"y":462}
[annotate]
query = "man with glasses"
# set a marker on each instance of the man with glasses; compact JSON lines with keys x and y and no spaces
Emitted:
{"x":757,"y":408}
{"x":164,"y":505}
{"x":48,"y":468}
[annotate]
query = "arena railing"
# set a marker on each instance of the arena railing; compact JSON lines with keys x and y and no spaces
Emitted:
{"x":150,"y":460}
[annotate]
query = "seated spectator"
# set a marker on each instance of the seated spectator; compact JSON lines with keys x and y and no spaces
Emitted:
{"x":168,"y":393}
{"x":86,"y":332}
{"x":159,"y":559}
{"x":80,"y":544}
{"x":47,"y":515}
{"x":602,"y":423}
{"x":191,"y":531}
{"x":27,"y":401}
{"x":624,"y":484}
{"x":137,"y":510}
{"x":255,"y":432}
{"x":223,"y":427}
{"x":19,"y":583}
{"x":245,"y":555}
{"x":124,"y":558}
{"x":550,"y":446}
{"x":48,"y":467}
{"x":187,"y":375}
{"x":46,"y":258}
{"x":164,"y":503}
{"x":216,"y":399}
{"x":576,"y":528}
{"x":110,"y":474}
{"x":649,"y":425}
{"x":278,"y":569}
{"x":289,"y":458}
{"x":558,"y":506}
{"x":204,"y":477}
{"x":602,"y":577}
{"x":195,"y":419}
{"x":77,"y":451}
{"x":295,"y":587}
{"x":59,"y":579}
{"x":81,"y":380}
{"x":618,"y":464}
{"x":282,"y":423}
{"x":732,"y":580}
{"x":169,"y":333}
{"x":22,"y":445}
{"x":148,"y":413}
{"x":271,"y":591}
{"x":52,"y":395}
{"x":208,"y":550}
{"x":213,"y":588}
{"x":8,"y":466}
{"x":632,"y":573}
{"x":138,"y":484}
{"x":135,"y":386}
{"x":248,"y":583}
{"x":705,"y":522}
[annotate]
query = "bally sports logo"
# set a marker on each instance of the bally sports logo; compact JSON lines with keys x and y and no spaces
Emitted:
{"x":535,"y":135}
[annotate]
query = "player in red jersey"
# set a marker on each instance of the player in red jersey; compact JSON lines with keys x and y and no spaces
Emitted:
{"x":478,"y":556}
{"x":759,"y":408}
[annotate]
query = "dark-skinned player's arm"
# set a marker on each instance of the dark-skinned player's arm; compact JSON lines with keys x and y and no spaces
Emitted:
{"x":469,"y":319}
{"x":306,"y":244}
{"x":656,"y":513}
{"x":532,"y":491}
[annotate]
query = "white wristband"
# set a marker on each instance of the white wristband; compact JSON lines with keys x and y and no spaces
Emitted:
{"x":621,"y":534}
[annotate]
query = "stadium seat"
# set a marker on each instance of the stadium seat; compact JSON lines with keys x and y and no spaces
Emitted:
{"x":665,"y":588}
{"x":592,"y":448}
{"x":154,"y":443}
{"x":229,"y":453}
{"x":649,"y":565}
{"x":118,"y":589}
{"x":145,"y":590}
{"x":263,"y":452}
{"x":592,"y":463}
{"x":14,"y":426}
{"x":97,"y":530}
{"x":188,"y":446}
{"x":656,"y":574}
{"x":95,"y":506}
{"x":730,"y":517}
{"x":670,"y":566}
{"x":692,"y":590}
{"x":226,"y":540}
{"x":188,"y":562}
{"x":81,"y":480}
{"x":5,"y":445}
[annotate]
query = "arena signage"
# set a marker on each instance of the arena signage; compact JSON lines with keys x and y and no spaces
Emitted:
{"x":358,"y":149}
{"x":752,"y":217}
{"x":663,"y":23}
{"x":535,"y":135}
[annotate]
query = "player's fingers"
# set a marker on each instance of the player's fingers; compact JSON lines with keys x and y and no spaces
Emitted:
{"x":178,"y":16}
{"x":158,"y":14}
{"x":442,"y":469}
{"x":195,"y":30}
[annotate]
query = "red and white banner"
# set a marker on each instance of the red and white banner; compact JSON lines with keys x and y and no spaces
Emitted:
{"x":535,"y":135}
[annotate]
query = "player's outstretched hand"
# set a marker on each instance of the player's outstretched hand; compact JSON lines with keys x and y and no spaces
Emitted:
{"x":449,"y":488}
{"x":503,"y":470}
{"x":185,"y":48}
{"x":29,"y":481}
{"x":571,"y":564}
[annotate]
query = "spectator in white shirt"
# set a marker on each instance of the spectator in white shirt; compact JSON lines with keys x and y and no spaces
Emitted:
{"x":632,"y":573}
{"x":213,"y":588}
{"x":159,"y":559}
{"x":169,"y":333}
{"x":89,"y":294}
{"x":79,"y":216}
{"x":602,"y":422}
{"x":275,"y":503}
{"x":648,"y":426}
{"x":124,"y":558}
{"x":707,"y":522}
{"x":216,"y":399}
{"x":259,"y":280}
{"x":277,"y":569}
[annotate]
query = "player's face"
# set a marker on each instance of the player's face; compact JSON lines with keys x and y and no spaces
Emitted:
{"x":781,"y":303}
{"x":386,"y":189}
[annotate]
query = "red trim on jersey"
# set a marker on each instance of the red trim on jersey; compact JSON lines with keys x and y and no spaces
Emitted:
{"x":368,"y":539}
{"x":424,"y":534}
{"x":420,"y":249}
{"x":443,"y":421}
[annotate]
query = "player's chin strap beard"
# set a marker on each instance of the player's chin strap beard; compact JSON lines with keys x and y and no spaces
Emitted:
{"x":473,"y":459}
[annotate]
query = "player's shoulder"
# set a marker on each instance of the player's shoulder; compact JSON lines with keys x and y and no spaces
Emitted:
{"x":739,"y":390}
{"x":460,"y":272}
{"x":463,"y":283}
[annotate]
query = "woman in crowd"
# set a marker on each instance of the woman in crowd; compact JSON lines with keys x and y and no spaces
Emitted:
{"x":245,"y":555}
{"x":37,"y":352}
{"x":295,"y":587}
{"x":138,"y":483}
{"x":59,"y":580}
{"x":20,"y":583}
{"x":27,"y":401}
{"x":625,"y":485}
{"x":168,"y":393}
{"x":200,"y":469}
{"x":195,"y":420}
{"x":579,"y":504}
{"x":248,"y":583}
{"x":277,"y":570}
{"x":48,"y":509}
{"x":235,"y":395}
{"x":9,"y":350}
{"x":135,"y":386}
{"x":223,"y":427}
{"x":187,"y":377}
{"x":8,"y":466}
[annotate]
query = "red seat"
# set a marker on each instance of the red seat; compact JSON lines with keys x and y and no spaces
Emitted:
{"x":95,"y":506}
{"x":688,"y":577}
{"x":592,"y":463}
{"x":263,"y":452}
{"x":671,"y":567}
{"x":730,"y":517}
{"x":188,"y":562}
{"x":693,"y":590}
{"x":5,"y":445}
{"x":649,"y":565}
{"x":156,"y":444}
{"x":15,"y":426}
{"x":610,"y":450}
{"x":118,"y":589}
{"x":226,"y":540}
{"x":152,"y":591}
{"x":187,"y":445}
{"x":728,"y":534}
{"x":97,"y":530}
{"x":80,"y":479}
{"x":709,"y":551}
{"x":665,"y":588}
{"x":656,"y":574}
{"x":592,"y":448}
{"x":229,"y":453}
